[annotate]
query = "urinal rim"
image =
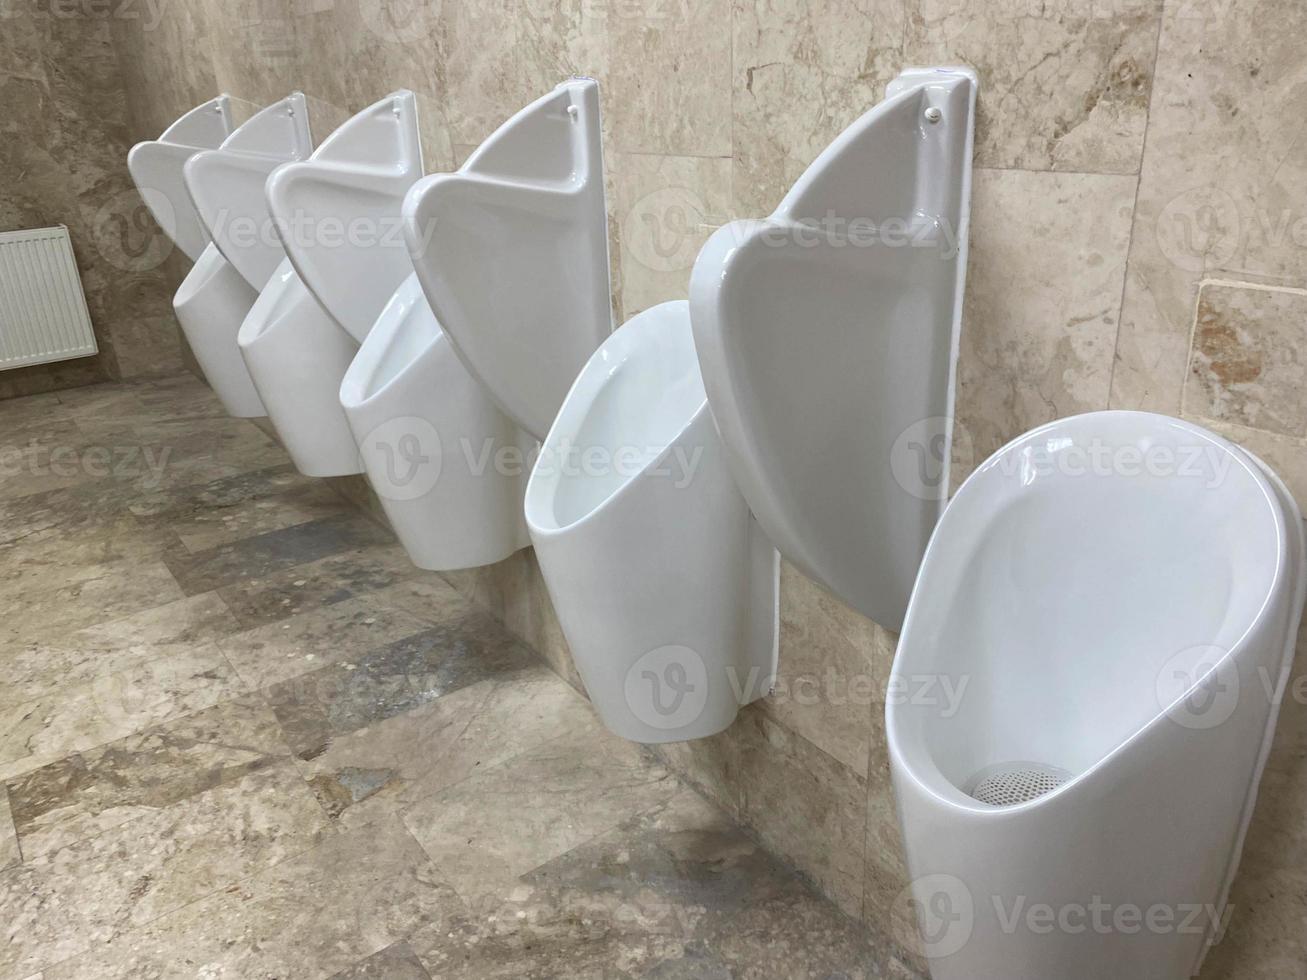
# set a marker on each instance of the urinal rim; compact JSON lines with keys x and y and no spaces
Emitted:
{"x":941,"y":789}
{"x":356,"y":392}
{"x":535,"y":488}
{"x":275,"y":299}
{"x":201,"y":273}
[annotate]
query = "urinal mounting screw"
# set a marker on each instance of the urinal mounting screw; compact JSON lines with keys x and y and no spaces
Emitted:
{"x":574,"y":112}
{"x":933,"y":114}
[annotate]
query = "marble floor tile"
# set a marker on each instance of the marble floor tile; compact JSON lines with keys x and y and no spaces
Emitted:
{"x":86,"y":596}
{"x":92,"y":892}
{"x":370,"y":772}
{"x":306,"y":500}
{"x":272,"y":551}
{"x":9,"y":850}
{"x":808,"y":806}
{"x":36,"y":733}
{"x":287,"y":592}
{"x":560,"y":794}
{"x":661,"y":895}
{"x":317,"y":707}
{"x":311,"y":916}
{"x":40,"y":668}
{"x":330,"y":634}
{"x":45,"y":556}
{"x":396,"y":962}
{"x":94,"y":790}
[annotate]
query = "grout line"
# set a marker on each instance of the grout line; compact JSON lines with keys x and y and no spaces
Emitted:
{"x":1134,"y":215}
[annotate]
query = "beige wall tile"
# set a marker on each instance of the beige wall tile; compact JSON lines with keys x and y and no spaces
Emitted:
{"x":495,"y":56}
{"x":669,"y":76}
{"x":834,"y":665}
{"x":665,"y":207}
{"x":804,"y":70}
{"x":1044,"y":280}
{"x":1246,"y":361}
{"x":804,"y":805}
{"x":1063,"y":86}
{"x":1221,"y":189}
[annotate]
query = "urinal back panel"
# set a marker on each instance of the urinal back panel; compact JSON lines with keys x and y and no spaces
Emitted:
{"x":512,"y":252}
{"x":156,"y":168}
{"x":343,"y":205}
{"x":227,"y":185}
{"x":828,"y":336}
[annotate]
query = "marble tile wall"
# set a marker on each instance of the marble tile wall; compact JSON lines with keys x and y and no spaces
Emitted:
{"x":1139,"y":240}
{"x":64,"y":137}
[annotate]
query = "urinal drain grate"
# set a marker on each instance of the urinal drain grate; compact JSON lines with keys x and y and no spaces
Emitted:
{"x":1010,"y":783}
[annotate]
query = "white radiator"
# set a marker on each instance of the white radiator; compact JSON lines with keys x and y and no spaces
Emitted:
{"x":43,"y":313}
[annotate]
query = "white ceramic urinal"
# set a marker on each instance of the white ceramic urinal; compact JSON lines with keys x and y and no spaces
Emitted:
{"x":448,"y":467}
{"x":156,"y":168}
{"x":214,"y":298}
{"x":1105,"y":617}
{"x":512,"y":253}
{"x":295,"y":351}
{"x":827,"y":335}
{"x":226,"y":186}
{"x":665,"y":588}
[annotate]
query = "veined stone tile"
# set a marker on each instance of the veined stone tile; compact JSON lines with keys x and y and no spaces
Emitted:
{"x":562,"y":794}
{"x":395,"y":962}
{"x":668,"y":85}
{"x":89,"y":595}
{"x":496,"y":58}
{"x":45,"y":558}
{"x":804,"y":70}
{"x":1047,"y":261}
{"x":182,"y":504}
{"x":330,"y":634}
{"x":92,"y":791}
{"x":393,"y":763}
{"x":273,"y":551}
{"x":667,"y":206}
{"x":663,"y":896}
{"x":1062,"y":86}
{"x":9,"y":851}
{"x":349,"y":575}
{"x":1246,"y":364}
{"x":1222,"y":189}
{"x":834,"y":665}
{"x":308,"y":501}
{"x":309,"y":917}
{"x":39,"y":732}
{"x":67,"y":660}
{"x":804,"y":805}
{"x":316,"y":707}
{"x":95,"y":891}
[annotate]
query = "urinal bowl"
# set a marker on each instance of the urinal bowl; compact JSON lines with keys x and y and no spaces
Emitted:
{"x":211,"y":304}
{"x":1084,"y":694}
{"x":665,"y":588}
{"x":298,"y":356}
{"x":448,"y":466}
